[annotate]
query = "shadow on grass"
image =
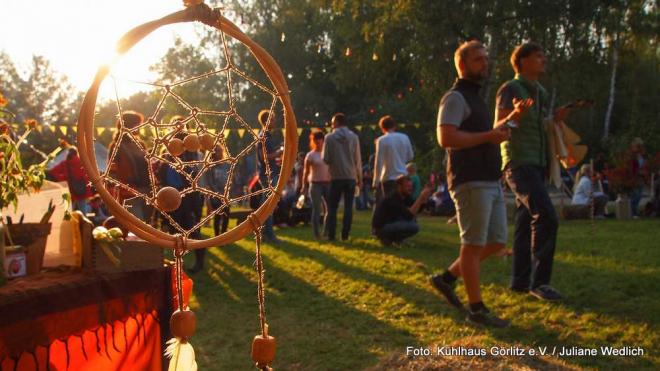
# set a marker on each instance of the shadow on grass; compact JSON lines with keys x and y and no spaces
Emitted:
{"x":615,"y":294}
{"x":511,"y":335}
{"x":317,"y":332}
{"x":550,"y":338}
{"x":422,"y":299}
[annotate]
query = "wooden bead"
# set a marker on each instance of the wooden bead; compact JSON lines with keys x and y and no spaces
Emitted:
{"x":175,"y":146}
{"x":191,"y":143}
{"x":183,"y":324}
{"x":206,"y":141}
{"x":263,"y":350}
{"x":168,"y":199}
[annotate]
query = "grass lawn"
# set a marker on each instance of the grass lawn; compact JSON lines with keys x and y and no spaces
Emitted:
{"x":357,"y":305}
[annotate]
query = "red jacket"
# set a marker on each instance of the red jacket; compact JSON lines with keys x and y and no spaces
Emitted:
{"x":74,"y":167}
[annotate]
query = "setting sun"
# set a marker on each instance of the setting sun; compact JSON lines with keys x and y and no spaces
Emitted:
{"x":78,"y":36}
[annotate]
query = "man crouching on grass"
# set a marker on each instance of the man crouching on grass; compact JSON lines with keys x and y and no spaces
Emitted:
{"x":465,"y":129}
{"x":394,"y":216}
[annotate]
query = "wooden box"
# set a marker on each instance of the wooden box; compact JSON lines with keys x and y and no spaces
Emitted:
{"x":119,"y":256}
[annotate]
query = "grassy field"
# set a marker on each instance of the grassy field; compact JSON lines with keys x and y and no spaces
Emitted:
{"x":357,"y":305}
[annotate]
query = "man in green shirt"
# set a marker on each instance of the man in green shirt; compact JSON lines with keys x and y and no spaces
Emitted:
{"x":525,"y":161}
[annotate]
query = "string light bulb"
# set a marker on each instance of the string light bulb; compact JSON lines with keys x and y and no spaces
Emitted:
{"x":349,"y":52}
{"x":374,"y":57}
{"x":394,"y":57}
{"x":283,"y":37}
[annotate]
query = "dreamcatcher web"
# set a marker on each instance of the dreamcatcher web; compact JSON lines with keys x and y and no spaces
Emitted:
{"x":195,"y":121}
{"x":167,"y":147}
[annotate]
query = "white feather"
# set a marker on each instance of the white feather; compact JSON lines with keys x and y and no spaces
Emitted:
{"x":181,"y":354}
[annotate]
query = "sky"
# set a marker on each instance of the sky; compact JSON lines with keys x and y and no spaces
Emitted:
{"x":77,"y":36}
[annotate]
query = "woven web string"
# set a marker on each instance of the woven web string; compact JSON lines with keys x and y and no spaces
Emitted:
{"x":166,"y":131}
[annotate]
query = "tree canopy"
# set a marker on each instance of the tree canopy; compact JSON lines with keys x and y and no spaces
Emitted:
{"x":371,"y":58}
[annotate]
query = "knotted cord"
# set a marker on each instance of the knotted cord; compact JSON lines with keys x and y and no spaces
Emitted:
{"x":261,"y":297}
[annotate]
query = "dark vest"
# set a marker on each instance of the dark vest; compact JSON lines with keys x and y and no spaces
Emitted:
{"x":480,"y":163}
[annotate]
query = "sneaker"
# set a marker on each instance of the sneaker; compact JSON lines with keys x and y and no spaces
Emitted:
{"x":546,"y":292}
{"x":485,"y":318}
{"x":447,"y":291}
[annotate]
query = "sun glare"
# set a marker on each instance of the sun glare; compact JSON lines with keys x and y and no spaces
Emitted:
{"x":79,"y":36}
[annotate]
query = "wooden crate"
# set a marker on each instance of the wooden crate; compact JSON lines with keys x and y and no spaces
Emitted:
{"x":119,"y":256}
{"x":125,"y":256}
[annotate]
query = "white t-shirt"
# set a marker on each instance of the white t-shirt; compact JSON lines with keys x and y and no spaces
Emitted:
{"x":583,"y":192}
{"x":393,"y":152}
{"x":319,"y":171}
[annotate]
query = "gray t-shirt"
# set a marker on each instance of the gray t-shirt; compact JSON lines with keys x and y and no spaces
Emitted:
{"x":453,"y":111}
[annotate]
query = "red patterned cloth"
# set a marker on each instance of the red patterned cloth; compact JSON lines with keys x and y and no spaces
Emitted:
{"x":78,"y":321}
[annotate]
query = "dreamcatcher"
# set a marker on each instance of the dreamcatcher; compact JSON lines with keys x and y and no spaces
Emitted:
{"x":190,"y":133}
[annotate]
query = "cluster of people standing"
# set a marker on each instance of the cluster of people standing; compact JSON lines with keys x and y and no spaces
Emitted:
{"x":482,"y":150}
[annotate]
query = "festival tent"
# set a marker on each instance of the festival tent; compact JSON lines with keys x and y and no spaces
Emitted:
{"x":100,"y":151}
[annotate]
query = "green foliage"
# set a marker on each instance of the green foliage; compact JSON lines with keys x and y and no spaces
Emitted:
{"x":401,"y":56}
{"x":17,"y":177}
{"x":40,"y":93}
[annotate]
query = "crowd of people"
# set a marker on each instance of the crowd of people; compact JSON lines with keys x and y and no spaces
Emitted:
{"x":485,"y":152}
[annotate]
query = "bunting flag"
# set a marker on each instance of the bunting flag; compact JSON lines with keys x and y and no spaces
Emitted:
{"x":66,"y":130}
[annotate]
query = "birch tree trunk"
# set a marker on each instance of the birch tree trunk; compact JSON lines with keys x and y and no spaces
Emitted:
{"x":610,"y":102}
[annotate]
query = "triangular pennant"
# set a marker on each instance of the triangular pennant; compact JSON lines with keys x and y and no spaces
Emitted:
{"x":241,"y":132}
{"x":299,"y":131}
{"x":358,"y":127}
{"x":418,"y":125}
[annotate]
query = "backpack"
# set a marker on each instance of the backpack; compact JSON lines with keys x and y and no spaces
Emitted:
{"x":78,"y":187}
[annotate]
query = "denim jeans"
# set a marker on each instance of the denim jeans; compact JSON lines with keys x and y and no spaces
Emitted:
{"x":384,"y":189}
{"x":536,"y":227}
{"x":635,"y":198}
{"x":268,"y":231}
{"x":82,"y":205}
{"x":339,"y":187}
{"x":318,"y":192}
{"x":398,"y":231}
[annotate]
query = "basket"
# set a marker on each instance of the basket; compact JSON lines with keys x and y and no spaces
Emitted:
{"x":33,"y":236}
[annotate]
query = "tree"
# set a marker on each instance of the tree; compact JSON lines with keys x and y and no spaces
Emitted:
{"x":43,"y":94}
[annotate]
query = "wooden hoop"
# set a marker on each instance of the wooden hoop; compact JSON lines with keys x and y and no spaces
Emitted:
{"x":212,"y":17}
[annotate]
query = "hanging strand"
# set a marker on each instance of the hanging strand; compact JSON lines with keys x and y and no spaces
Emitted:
{"x":260,"y":275}
{"x":179,"y":252}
